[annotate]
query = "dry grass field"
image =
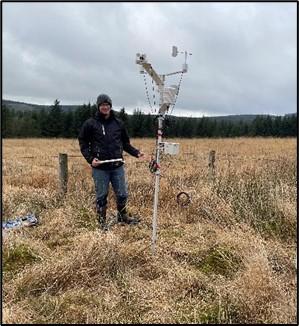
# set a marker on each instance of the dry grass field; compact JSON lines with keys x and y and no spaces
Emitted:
{"x":228,"y":257}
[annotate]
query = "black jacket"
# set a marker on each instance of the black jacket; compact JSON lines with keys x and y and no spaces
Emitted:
{"x":105,"y":139}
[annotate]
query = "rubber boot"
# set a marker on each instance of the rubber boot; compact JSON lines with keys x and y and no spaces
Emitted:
{"x":122,"y":216}
{"x":102,"y":217}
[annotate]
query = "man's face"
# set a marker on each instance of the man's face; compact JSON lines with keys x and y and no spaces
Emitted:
{"x":105,"y":108}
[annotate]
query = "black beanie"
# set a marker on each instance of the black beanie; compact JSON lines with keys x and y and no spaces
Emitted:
{"x":103,"y":98}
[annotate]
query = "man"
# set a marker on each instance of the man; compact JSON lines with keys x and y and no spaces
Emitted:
{"x":102,"y":138}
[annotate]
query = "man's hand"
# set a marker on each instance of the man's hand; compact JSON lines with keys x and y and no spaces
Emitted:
{"x":142,"y":156}
{"x":95,"y":162}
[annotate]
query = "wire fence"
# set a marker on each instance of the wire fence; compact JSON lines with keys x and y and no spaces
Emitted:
{"x":199,"y":156}
{"x":60,"y":169}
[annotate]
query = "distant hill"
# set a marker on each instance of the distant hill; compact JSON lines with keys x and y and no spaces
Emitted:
{"x":239,"y":117}
{"x":21,"y":106}
{"x":248,"y":118}
{"x":290,"y":114}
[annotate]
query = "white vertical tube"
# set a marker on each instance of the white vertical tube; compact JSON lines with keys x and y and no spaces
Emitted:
{"x":154,"y":236}
{"x":157,"y":173}
{"x":157,"y":183}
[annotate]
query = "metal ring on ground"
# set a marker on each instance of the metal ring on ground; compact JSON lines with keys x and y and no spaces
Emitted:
{"x":183,"y":199}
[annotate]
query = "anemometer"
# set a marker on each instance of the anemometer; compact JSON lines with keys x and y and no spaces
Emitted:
{"x":168,"y":97}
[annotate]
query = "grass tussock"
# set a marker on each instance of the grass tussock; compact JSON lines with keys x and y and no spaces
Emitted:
{"x":227,"y":257}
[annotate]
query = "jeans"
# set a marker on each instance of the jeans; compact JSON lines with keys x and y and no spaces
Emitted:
{"x":102,"y":178}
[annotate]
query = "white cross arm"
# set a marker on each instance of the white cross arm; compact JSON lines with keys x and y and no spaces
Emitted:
{"x":149,"y":69}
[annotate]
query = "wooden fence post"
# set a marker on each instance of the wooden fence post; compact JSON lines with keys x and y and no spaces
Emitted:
{"x":63,"y":173}
{"x":212,"y":165}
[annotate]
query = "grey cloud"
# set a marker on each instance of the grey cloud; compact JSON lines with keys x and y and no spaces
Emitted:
{"x":244,"y":54}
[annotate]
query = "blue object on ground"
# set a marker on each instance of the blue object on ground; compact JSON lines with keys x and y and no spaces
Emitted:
{"x":27,"y":220}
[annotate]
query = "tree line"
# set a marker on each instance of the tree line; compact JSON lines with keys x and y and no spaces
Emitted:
{"x":55,"y":122}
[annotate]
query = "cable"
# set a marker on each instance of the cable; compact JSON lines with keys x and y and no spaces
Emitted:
{"x":179,"y":86}
{"x":146,"y":90}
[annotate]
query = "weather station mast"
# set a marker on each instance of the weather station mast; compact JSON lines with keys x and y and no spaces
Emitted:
{"x":168,"y":97}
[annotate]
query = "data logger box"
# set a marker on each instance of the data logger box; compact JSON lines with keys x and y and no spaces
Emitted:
{"x":171,"y":148}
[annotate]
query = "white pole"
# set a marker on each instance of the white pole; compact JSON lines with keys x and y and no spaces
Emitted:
{"x":154,"y":235}
{"x":157,"y":173}
{"x":157,"y":182}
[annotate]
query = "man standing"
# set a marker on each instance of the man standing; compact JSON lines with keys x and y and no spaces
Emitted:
{"x":102,"y":138}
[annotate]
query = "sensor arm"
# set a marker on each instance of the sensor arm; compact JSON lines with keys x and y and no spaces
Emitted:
{"x":150,"y":70}
{"x":174,"y":73}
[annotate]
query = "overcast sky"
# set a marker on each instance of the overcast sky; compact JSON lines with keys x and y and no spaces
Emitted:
{"x":244,"y":55}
